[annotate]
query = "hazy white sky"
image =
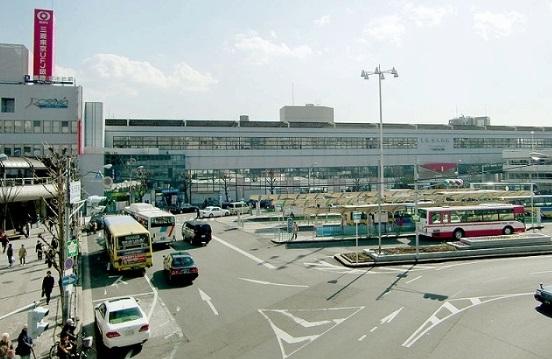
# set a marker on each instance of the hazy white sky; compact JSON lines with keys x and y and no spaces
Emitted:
{"x":219,"y":59}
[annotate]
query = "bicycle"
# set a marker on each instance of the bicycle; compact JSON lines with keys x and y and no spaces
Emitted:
{"x":81,"y":346}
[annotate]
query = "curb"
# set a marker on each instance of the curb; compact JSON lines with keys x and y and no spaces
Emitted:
{"x":463,"y":255}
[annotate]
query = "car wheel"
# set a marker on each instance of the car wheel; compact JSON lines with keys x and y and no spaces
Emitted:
{"x":507,"y":230}
{"x":226,"y":214}
{"x":458,"y":234}
{"x":211,"y":215}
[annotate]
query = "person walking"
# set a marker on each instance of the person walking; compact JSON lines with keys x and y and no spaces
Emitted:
{"x":38,"y":249}
{"x":47,"y":286}
{"x":4,"y":239}
{"x":6,"y":347}
{"x":24,"y":344}
{"x":50,"y":254}
{"x":295,"y":229}
{"x":22,"y":254}
{"x":9,"y":253}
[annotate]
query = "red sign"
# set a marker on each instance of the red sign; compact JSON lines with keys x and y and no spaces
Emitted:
{"x":43,"y":55}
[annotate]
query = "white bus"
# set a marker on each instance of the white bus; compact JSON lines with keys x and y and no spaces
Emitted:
{"x":160,"y":224}
{"x":471,"y":221}
{"x":127,"y":243}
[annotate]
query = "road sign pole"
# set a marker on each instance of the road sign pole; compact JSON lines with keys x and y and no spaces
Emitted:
{"x":356,"y":225}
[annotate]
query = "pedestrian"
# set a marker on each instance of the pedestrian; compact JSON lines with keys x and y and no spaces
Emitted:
{"x":24,"y":344}
{"x":38,"y":250}
{"x":6,"y":347}
{"x":295,"y":229}
{"x":9,"y":253}
{"x":54,"y":243}
{"x":50,"y":224}
{"x":50,"y":257}
{"x":27,"y":229}
{"x":69,"y":329}
{"x":4,"y":239}
{"x":47,"y":286}
{"x":22,"y":254}
{"x":197,"y":212}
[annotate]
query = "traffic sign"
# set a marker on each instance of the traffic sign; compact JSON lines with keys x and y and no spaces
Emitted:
{"x":72,"y":247}
{"x":289,"y":224}
{"x":69,"y":279}
{"x":68,"y":263}
{"x":356,"y":217}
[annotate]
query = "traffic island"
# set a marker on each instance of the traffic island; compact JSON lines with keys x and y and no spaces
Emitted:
{"x":467,"y":248}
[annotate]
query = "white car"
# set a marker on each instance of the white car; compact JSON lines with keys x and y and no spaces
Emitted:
{"x":121,"y":322}
{"x":212,"y":211}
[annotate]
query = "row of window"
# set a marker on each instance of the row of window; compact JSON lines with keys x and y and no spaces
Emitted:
{"x":33,"y":150}
{"x":285,"y":143}
{"x":469,"y":142}
{"x":261,"y":143}
{"x":46,"y":126}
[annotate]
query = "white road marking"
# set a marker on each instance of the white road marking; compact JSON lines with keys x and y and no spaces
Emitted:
{"x":391,"y":316}
{"x":270,"y":283}
{"x":118,"y":281}
{"x":206,"y":298}
{"x":435,"y":320}
{"x":177,"y":308}
{"x":301,"y":321}
{"x":362,"y":338}
{"x":453,"y":265}
{"x":241,"y":251}
{"x":284,"y":337}
{"x":105,"y":291}
{"x":373,"y":329}
{"x":155,"y":296}
{"x":413,"y":279}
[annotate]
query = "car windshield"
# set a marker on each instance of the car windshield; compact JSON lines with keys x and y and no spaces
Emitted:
{"x":124,"y":315}
{"x":182,"y":261}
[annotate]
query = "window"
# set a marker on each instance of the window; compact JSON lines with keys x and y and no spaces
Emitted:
{"x":74,"y":126}
{"x":18,"y":126}
{"x":47,"y":126}
{"x":28,"y":124}
{"x":27,"y":151}
{"x":37,"y":126}
{"x":8,"y":104}
{"x":124,"y":315}
{"x":64,"y":126}
{"x":56,"y":128}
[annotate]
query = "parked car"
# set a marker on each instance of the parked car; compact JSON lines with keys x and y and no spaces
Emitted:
{"x":238,"y":207}
{"x":212,"y":211}
{"x":196,"y":232}
{"x":544,"y":294}
{"x":180,"y":264}
{"x":121,"y":322}
{"x":183,"y":208}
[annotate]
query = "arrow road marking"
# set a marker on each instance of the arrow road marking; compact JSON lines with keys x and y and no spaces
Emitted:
{"x":118,"y":281}
{"x":391,"y":316}
{"x":206,"y":298}
{"x":270,"y":283}
{"x":447,"y":310}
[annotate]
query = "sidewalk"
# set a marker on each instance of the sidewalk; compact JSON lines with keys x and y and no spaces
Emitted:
{"x":21,"y":286}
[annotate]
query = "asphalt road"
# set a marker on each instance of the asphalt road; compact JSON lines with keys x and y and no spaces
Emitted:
{"x":255,"y":299}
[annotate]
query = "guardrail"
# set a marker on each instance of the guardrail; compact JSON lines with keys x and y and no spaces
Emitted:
{"x":24,"y":181}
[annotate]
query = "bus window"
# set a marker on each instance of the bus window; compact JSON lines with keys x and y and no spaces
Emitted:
{"x":435,"y":217}
{"x":489,"y":215}
{"x":445,"y":217}
{"x":505,"y":215}
{"x":473,"y":216}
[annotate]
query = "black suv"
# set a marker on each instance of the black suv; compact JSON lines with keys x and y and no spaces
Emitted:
{"x":196,"y":232}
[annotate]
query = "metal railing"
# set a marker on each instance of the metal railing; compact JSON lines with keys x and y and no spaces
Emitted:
{"x":24,"y":181}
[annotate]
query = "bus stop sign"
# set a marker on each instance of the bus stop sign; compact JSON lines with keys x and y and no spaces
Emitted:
{"x":356,"y":217}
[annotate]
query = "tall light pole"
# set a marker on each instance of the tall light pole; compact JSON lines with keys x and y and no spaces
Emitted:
{"x":365,"y":75}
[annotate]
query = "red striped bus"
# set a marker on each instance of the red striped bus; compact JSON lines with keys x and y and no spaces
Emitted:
{"x":471,"y":221}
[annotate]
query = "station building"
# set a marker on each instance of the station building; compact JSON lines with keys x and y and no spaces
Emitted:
{"x":237,"y":158}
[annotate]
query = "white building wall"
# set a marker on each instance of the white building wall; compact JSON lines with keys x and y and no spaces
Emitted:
{"x":307,"y":113}
{"x":93,"y":125}
{"x":14,"y":63}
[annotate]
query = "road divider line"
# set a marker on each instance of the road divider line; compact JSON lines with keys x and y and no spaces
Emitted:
{"x":123,"y":296}
{"x":413,"y":279}
{"x":242,"y":252}
{"x":373,"y":329}
{"x":155,"y":295}
{"x":276,"y":284}
{"x":362,"y":338}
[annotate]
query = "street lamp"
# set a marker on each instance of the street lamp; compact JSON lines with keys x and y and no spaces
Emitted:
{"x":534,"y":157}
{"x":365,"y":75}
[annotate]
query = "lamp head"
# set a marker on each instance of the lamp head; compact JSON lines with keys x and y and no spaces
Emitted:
{"x":108,"y":166}
{"x":394,"y":72}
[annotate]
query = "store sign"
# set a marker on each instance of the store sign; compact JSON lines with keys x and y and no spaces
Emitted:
{"x":49,"y":102}
{"x":74,"y":192}
{"x":72,"y":248}
{"x":43,"y":49}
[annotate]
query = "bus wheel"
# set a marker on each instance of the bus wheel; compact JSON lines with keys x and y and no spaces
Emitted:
{"x":458,"y":234}
{"x":508,"y":230}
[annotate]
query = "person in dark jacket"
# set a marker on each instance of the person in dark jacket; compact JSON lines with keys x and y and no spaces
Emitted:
{"x":47,"y":286}
{"x":24,"y":344}
{"x":39,"y":250}
{"x":9,"y":253}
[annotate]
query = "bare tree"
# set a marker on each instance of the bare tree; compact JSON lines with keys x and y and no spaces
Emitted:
{"x":225,"y":177}
{"x":271,"y":180}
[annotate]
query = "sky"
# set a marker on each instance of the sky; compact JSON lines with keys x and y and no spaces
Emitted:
{"x":203,"y":59}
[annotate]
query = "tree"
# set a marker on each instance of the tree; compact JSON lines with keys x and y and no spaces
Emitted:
{"x":225,"y":177}
{"x":271,"y":180}
{"x":60,"y":168}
